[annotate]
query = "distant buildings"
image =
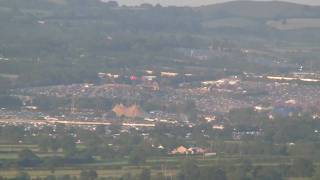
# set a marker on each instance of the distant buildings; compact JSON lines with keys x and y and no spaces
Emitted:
{"x":192,"y":150}
{"x":239,"y":133}
{"x":168,"y":74}
{"x":282,"y":78}
{"x":220,"y":127}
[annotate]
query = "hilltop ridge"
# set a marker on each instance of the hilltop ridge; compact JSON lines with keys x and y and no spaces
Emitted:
{"x":263,"y":9}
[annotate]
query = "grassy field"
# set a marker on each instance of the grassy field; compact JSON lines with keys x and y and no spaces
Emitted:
{"x":73,"y":172}
{"x":119,"y":167}
{"x":10,"y":151}
{"x":230,"y":22}
{"x":293,"y":24}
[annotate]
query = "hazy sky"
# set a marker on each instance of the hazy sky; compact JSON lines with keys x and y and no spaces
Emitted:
{"x":200,"y":2}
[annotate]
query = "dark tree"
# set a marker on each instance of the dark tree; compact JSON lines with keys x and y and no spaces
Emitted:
{"x":137,"y":156}
{"x":145,"y":174}
{"x":209,"y":173}
{"x":68,"y":144}
{"x":302,"y":167}
{"x":28,"y":158}
{"x":268,"y":174}
{"x":189,"y":170}
{"x":23,"y":176}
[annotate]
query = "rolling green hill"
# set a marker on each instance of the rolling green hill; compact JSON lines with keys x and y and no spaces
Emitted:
{"x":79,"y":38}
{"x":265,"y":10}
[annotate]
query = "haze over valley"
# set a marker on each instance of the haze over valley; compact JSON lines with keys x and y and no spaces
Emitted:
{"x":200,"y":2}
{"x":95,"y":90}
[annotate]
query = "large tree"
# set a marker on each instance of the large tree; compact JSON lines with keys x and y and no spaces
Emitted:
{"x":27,"y":158}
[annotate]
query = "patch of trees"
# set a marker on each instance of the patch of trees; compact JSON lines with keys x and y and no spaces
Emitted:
{"x":5,"y":84}
{"x":10,"y":102}
{"x":245,"y":170}
{"x":55,"y":43}
{"x":26,"y":158}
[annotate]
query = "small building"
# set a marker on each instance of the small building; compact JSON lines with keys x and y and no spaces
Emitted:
{"x":197,"y":150}
{"x":180,"y":150}
{"x":192,"y":150}
{"x":168,"y":74}
{"x":131,"y":111}
{"x":220,"y":127}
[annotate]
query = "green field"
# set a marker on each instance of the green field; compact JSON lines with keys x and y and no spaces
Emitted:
{"x":119,"y":167}
{"x":294,"y":24}
{"x":230,"y":23}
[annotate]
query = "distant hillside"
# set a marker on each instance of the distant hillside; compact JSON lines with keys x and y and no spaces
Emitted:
{"x":265,"y":10}
{"x":34,"y":4}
